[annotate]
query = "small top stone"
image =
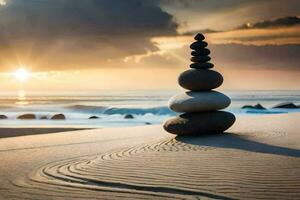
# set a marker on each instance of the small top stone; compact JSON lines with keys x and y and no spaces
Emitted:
{"x":199,"y":37}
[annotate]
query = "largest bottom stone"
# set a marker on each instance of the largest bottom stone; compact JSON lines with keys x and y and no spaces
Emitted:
{"x":200,"y":123}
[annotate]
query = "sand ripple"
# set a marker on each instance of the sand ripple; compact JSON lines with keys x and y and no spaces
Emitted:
{"x":167,"y":170}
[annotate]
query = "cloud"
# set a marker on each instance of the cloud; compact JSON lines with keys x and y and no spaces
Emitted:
{"x":222,"y":15}
{"x":263,"y":36}
{"x":69,"y":33}
{"x":89,"y":17}
{"x":283,"y":22}
{"x":238,"y":56}
{"x":206,"y":5}
{"x":258,"y":33}
{"x":280,"y":22}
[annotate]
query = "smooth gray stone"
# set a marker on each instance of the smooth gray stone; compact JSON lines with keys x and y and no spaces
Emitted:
{"x":201,"y":65}
{"x":200,"y":123}
{"x":199,"y":101}
{"x":201,"y":52}
{"x":198,"y":45}
{"x":200,"y":79}
{"x":199,"y":37}
{"x":200,"y":59}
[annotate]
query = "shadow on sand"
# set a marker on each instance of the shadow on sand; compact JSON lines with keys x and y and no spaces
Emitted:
{"x":234,"y":141}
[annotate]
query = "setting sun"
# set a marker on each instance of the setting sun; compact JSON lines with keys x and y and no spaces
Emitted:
{"x":21,"y":74}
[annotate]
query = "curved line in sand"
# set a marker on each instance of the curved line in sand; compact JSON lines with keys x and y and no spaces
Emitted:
{"x":155,"y":171}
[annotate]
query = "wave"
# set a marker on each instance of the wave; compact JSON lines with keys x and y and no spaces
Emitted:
{"x":122,"y":111}
{"x":85,"y":108}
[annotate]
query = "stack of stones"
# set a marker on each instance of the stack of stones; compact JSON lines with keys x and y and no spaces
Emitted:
{"x":201,"y":104}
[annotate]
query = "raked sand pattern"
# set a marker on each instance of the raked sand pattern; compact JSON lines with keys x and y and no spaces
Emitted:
{"x":176,"y":168}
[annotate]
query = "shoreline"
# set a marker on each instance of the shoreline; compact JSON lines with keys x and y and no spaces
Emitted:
{"x":17,"y":131}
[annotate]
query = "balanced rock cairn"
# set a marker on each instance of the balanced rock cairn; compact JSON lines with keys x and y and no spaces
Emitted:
{"x":200,"y":104}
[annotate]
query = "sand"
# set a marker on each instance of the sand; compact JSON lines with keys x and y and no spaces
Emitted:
{"x":16,"y":132}
{"x":259,"y":158}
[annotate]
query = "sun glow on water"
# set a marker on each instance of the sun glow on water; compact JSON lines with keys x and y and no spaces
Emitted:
{"x":21,"y":98}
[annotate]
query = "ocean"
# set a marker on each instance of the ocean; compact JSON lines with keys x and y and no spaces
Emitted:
{"x":146,"y":107}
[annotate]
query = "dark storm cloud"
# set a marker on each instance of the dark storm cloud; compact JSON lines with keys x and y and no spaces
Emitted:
{"x":113,"y":28}
{"x":74,"y":17}
{"x":280,"y":22}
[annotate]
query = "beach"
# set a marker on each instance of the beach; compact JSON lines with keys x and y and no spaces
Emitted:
{"x":185,"y":99}
{"x":259,"y":157}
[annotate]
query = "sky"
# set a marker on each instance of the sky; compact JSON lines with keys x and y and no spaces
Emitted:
{"x":94,"y":45}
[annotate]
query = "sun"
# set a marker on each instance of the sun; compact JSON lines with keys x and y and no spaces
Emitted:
{"x":21,"y":74}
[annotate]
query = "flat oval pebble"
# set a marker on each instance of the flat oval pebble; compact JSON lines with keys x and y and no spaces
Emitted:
{"x":200,"y":123}
{"x":200,"y":59}
{"x":198,"y":45}
{"x":201,"y":52}
{"x":201,"y":65}
{"x":200,"y":79}
{"x":199,"y":102}
{"x":199,"y":37}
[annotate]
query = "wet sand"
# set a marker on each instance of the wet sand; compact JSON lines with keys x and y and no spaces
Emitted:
{"x":258,"y":158}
